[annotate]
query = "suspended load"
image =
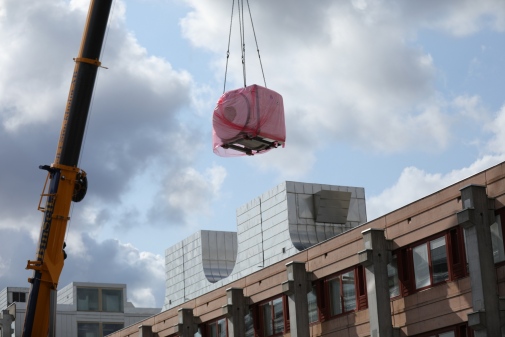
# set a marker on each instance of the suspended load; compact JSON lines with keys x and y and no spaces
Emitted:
{"x":248,"y":121}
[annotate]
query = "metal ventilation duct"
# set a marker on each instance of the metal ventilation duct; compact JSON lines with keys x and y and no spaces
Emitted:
{"x":331,"y":206}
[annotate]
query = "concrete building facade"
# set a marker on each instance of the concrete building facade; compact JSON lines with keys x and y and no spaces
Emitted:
{"x":435,"y":267}
{"x":282,"y":221}
{"x":84,"y":309}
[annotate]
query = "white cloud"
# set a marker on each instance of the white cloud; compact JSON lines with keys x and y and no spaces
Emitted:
{"x":143,"y":298}
{"x":415,"y":183}
{"x":188,"y":193}
{"x":497,"y":126}
{"x":350,"y":72}
{"x":111,"y":261}
{"x":468,"y":17}
{"x":470,"y":107}
{"x":134,"y":127}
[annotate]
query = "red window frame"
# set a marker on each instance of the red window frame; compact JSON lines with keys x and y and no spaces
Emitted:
{"x":259,"y":324}
{"x":215,"y":322}
{"x":324,"y":296}
{"x":456,"y":260}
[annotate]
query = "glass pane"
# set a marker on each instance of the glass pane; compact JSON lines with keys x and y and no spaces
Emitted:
{"x":312,"y":301}
{"x":335,"y":305}
{"x":198,"y":333}
{"x":213,"y":329}
{"x":421,"y":267}
{"x":87,"y":330}
{"x":349,"y":290}
{"x":221,"y":327}
{"x":266,"y":311}
{"x":112,"y":300}
{"x":249,"y":324}
{"x":497,"y":241}
{"x":394,"y":287}
{"x":109,"y":328}
{"x":87,"y":299}
{"x":446,"y":334}
{"x":439,"y":260}
{"x":278,"y":315}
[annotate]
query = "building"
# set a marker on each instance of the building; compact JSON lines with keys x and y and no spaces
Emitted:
{"x":84,"y":309}
{"x":435,"y":267}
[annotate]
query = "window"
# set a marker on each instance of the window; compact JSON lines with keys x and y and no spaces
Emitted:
{"x":430,"y":263}
{"x":312,"y":302}
{"x":112,"y":300}
{"x":18,"y":296}
{"x":217,"y":328}
{"x":394,"y":286}
{"x":342,"y":293}
{"x":497,"y":236}
{"x":88,"y":329}
{"x":427,"y":263}
{"x":249,"y":324}
{"x":272,"y":316}
{"x":96,"y":299}
{"x":87,"y":299}
{"x":108,"y":328}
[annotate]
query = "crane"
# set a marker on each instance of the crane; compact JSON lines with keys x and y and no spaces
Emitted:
{"x":65,"y":181}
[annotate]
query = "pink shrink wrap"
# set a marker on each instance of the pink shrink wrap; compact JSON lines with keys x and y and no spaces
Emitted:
{"x":248,"y":121}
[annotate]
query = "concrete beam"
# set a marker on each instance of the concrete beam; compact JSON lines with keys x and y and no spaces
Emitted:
{"x":235,"y":311}
{"x":475,"y":218}
{"x":297,"y":288}
{"x":375,"y":258}
{"x":186,"y":326}
{"x":146,"y":331}
{"x":5,"y":322}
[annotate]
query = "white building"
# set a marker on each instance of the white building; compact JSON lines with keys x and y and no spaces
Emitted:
{"x":84,"y":309}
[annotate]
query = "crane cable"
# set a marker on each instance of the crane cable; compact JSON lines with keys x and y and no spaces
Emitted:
{"x":240,"y":9}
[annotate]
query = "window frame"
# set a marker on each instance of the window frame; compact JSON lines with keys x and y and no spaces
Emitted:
{"x":21,"y":296}
{"x":88,"y":322}
{"x":260,"y":327}
{"x":104,"y":323}
{"x":216,"y":321}
{"x":100,"y":326}
{"x":395,"y":277}
{"x":455,"y":255}
{"x":429,"y":249}
{"x":314,"y":288}
{"x":327,"y":293}
{"x":501,"y":213}
{"x":100,"y":299}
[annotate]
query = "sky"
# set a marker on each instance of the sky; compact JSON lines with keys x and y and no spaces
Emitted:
{"x":400,"y":97}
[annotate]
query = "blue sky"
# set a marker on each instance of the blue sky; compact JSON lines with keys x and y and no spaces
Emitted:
{"x":402,"y":98}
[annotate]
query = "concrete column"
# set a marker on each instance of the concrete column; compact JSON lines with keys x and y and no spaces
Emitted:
{"x":5,"y":323}
{"x":296,"y":287}
{"x":187,"y":326}
{"x":146,"y":331}
{"x":476,"y":217}
{"x":375,"y":259}
{"x":235,"y":311}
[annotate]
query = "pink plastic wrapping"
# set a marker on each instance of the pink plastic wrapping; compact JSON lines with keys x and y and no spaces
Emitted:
{"x":248,"y":121}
